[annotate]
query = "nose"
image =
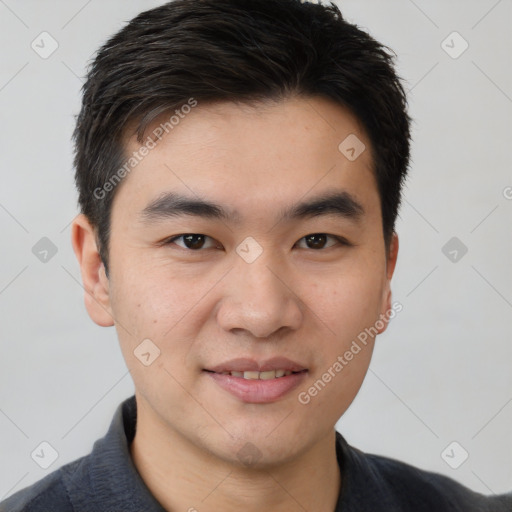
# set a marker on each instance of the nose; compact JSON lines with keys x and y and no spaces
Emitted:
{"x":258,"y":300}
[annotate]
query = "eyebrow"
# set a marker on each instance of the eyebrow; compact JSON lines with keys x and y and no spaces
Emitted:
{"x":171,"y":204}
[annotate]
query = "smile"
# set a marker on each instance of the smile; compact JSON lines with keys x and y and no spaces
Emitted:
{"x":254,"y":375}
{"x":257,"y":382}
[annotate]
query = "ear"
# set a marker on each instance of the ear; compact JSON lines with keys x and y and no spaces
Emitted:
{"x":95,"y":281}
{"x":391,"y":258}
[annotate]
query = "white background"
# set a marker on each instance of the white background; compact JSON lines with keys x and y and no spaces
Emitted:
{"x":441,"y":373}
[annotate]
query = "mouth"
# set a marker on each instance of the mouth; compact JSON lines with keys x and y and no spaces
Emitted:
{"x":254,"y":375}
{"x":248,"y":368}
{"x":258,"y":382}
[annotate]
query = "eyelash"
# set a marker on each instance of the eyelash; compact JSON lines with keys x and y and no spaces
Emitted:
{"x":340,"y":241}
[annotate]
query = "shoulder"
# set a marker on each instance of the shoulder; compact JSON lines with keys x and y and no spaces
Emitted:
{"x":424,"y":489}
{"x":398,"y":486}
{"x":46,"y":495}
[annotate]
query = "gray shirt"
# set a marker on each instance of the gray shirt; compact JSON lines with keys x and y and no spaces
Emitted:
{"x":106,"y":480}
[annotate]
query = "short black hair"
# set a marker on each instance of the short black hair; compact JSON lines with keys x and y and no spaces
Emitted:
{"x":241,"y":51}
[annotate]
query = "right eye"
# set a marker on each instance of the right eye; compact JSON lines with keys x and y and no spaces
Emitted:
{"x":192,"y":241}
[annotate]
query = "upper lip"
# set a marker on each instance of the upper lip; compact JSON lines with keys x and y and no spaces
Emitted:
{"x":244,"y":364}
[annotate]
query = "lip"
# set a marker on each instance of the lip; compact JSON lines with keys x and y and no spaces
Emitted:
{"x":257,"y":391}
{"x":251,"y":365}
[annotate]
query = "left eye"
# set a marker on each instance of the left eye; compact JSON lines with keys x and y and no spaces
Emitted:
{"x":193,"y":241}
{"x":318,"y":241}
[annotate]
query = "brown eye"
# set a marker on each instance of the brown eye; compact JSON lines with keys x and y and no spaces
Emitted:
{"x":193,"y":241}
{"x":318,"y":241}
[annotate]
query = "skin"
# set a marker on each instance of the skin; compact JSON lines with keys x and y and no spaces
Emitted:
{"x":204,"y":308}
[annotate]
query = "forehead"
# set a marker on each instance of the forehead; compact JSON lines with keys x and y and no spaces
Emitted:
{"x":253,"y":157}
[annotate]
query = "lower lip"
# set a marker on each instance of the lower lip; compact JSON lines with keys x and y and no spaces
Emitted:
{"x":257,"y":391}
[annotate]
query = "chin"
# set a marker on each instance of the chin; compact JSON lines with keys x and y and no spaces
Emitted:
{"x":256,"y":447}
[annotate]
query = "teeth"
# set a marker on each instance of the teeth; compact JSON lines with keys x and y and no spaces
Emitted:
{"x":252,"y":375}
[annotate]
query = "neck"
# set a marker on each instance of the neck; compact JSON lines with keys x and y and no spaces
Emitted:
{"x":181,"y":476}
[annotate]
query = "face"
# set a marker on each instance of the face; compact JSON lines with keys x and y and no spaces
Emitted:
{"x":246,"y":241}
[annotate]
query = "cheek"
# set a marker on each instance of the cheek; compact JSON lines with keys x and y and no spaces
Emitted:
{"x":347,"y":302}
{"x":142,"y":305}
{"x":158,"y":304}
{"x":150,"y":309}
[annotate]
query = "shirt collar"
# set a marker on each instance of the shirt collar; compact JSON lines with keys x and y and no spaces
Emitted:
{"x":113,"y":482}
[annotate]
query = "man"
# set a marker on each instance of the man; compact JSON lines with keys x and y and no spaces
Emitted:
{"x":239,"y":166}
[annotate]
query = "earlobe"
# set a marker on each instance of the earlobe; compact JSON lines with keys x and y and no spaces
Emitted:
{"x":391,"y":259}
{"x":95,"y":281}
